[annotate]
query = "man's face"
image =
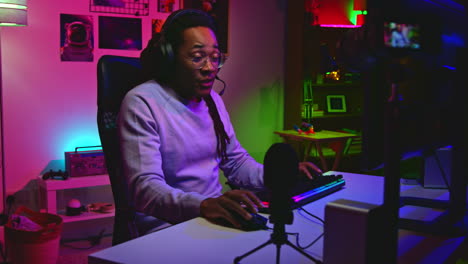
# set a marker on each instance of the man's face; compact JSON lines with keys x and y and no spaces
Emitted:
{"x":195,"y":72}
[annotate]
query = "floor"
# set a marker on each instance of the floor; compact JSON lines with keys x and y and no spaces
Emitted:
{"x":77,"y":252}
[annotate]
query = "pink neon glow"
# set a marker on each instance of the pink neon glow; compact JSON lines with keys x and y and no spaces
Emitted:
{"x":340,"y":26}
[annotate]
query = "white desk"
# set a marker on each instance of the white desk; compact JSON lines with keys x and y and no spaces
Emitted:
{"x":198,"y":241}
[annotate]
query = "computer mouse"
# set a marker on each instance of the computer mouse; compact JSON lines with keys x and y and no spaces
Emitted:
{"x":257,"y":222}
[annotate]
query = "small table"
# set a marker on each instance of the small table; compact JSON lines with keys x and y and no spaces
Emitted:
{"x":317,"y":138}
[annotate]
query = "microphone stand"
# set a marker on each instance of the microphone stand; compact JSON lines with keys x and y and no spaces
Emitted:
{"x":279,"y":238}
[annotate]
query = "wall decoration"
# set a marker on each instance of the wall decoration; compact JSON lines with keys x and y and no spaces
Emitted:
{"x":156,"y":26}
{"x":336,"y":104}
{"x":120,"y":33}
{"x":166,"y":6}
{"x":131,"y":7}
{"x":219,"y":10}
{"x":76,"y":38}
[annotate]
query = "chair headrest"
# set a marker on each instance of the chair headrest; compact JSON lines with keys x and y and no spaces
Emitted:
{"x":116,"y":76}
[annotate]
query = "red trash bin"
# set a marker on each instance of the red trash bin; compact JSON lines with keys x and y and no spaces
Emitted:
{"x":37,"y":247}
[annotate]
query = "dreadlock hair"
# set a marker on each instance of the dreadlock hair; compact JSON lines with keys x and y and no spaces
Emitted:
{"x":158,"y":61}
{"x":221,"y":135}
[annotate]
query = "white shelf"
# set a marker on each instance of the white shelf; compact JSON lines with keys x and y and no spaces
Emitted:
{"x":75,"y":182}
{"x":83,"y":216}
{"x":50,"y":187}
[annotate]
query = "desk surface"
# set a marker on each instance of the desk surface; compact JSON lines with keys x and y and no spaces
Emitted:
{"x":198,"y":241}
{"x":323,"y":135}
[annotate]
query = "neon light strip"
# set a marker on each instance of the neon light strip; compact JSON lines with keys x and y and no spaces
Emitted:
{"x":320,"y":189}
{"x":13,"y":6}
{"x":340,"y":26}
{"x":449,"y":67}
{"x":310,"y":193}
{"x":10,"y":24}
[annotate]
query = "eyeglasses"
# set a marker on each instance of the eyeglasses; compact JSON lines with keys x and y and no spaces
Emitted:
{"x":216,"y":59}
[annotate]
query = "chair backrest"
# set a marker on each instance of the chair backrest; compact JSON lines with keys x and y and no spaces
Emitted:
{"x":116,"y":75}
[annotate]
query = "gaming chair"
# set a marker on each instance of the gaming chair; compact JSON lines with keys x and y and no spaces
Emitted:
{"x":116,"y":75}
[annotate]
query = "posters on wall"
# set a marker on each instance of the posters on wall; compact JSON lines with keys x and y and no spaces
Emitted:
{"x":124,"y":33}
{"x":120,"y":33}
{"x":76,"y":38}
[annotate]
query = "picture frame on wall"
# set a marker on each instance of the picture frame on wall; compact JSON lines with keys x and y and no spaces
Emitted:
{"x":123,"y":33}
{"x":130,"y":7}
{"x":76,"y":37}
{"x":166,"y":6}
{"x":219,"y":10}
{"x":336,"y":104}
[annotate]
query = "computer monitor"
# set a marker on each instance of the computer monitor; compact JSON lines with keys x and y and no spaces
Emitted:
{"x":402,"y":35}
{"x":413,"y":96}
{"x":413,"y":103}
{"x":422,"y":63}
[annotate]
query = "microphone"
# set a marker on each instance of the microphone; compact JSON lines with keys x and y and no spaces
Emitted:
{"x":224,"y":85}
{"x":280,"y":172}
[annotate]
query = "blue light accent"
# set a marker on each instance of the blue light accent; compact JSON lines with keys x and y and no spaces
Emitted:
{"x":320,"y":189}
{"x":453,"y":39}
{"x":83,"y":138}
{"x":449,"y":67}
{"x":447,"y":3}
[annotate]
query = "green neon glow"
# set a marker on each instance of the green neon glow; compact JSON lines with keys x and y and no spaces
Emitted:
{"x":350,"y":12}
{"x":353,"y":16}
{"x":13,"y":6}
{"x":10,"y":25}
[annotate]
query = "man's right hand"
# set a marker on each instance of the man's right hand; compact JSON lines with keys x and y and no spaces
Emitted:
{"x":222,"y":208}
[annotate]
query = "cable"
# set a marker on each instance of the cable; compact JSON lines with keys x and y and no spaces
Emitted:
{"x":314,"y":216}
{"x":298,"y":244}
{"x":224,"y":85}
{"x":93,"y":240}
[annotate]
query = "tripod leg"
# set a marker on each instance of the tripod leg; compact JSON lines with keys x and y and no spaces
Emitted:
{"x":278,"y":253}
{"x":302,"y":252}
{"x":239,"y":258}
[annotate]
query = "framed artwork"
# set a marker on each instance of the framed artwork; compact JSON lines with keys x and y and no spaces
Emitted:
{"x":130,"y":7}
{"x":76,"y":38}
{"x":120,"y":33}
{"x":219,"y":10}
{"x":166,"y":6}
{"x":336,"y":103}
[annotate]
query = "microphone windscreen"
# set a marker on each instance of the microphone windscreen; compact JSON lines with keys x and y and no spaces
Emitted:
{"x":280,"y":168}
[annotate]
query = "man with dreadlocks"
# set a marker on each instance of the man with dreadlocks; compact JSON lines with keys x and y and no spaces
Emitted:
{"x":176,"y":134}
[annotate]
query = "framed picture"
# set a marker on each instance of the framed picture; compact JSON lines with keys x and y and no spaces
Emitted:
{"x":336,"y":103}
{"x":122,"y":33}
{"x":131,"y":7}
{"x":76,"y":37}
{"x":166,"y":6}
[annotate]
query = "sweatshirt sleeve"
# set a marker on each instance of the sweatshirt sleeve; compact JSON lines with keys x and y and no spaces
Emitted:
{"x":142,"y":165}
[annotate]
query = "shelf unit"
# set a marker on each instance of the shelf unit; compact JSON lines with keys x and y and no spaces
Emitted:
{"x":50,"y":188}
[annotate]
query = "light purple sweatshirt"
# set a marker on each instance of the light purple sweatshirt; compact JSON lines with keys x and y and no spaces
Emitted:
{"x":169,"y":153}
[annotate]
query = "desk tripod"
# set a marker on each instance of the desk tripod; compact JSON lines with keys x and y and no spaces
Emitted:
{"x":279,"y":238}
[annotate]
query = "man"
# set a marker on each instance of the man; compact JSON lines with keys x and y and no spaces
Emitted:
{"x":176,"y":133}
